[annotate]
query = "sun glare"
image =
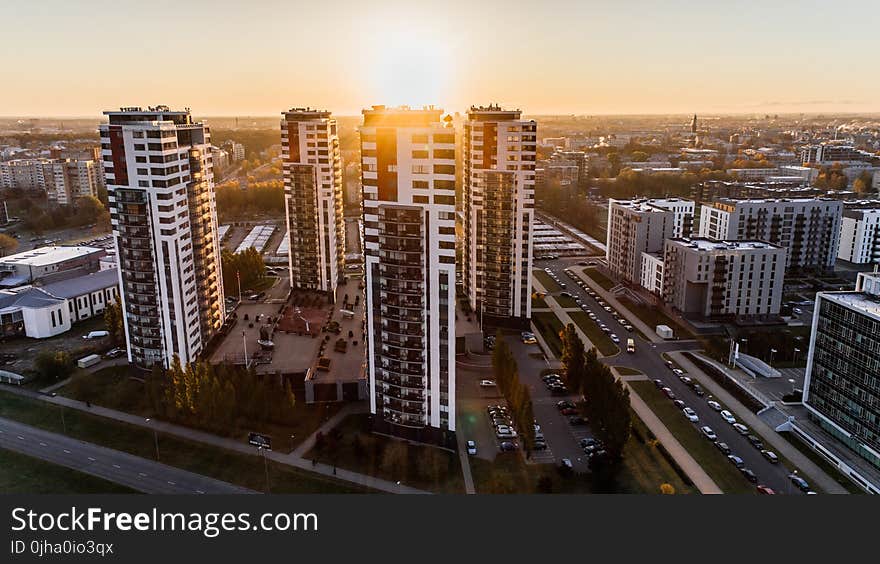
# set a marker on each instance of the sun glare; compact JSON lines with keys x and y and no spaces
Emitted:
{"x":411,"y":69}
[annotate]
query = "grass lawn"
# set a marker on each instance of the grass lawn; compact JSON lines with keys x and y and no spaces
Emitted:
{"x":114,"y":387}
{"x":644,"y":469}
{"x":20,"y":473}
{"x":704,"y":452}
{"x":823,"y":463}
{"x":539,"y":303}
{"x":549,"y":326}
{"x":230,"y":466}
{"x":565,"y":302}
{"x":549,"y":284}
{"x":592,"y":331}
{"x":627,"y":371}
{"x":600,"y":278}
{"x":415,"y":465}
{"x":653,"y":316}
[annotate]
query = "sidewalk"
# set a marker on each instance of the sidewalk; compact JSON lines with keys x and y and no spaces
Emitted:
{"x":779,"y":444}
{"x":291,"y":459}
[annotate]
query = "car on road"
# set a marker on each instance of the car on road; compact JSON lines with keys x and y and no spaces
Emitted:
{"x":708,"y":432}
{"x":558,"y":389}
{"x":698,"y":389}
{"x":487,"y":383}
{"x":750,"y":476}
{"x":714,"y":405}
{"x":669,"y":393}
{"x":685,"y":380}
{"x":770,"y":455}
{"x":741,"y":429}
{"x":756,"y":442}
{"x":766,"y":490}
{"x":563,"y":404}
{"x":551,"y":376}
{"x":728,"y":417}
{"x":471,"y":448}
{"x":629,"y":327}
{"x":577,"y":420}
{"x":678,"y":372}
{"x":569,"y":411}
{"x":722,"y":447}
{"x":690,"y":414}
{"x":736,"y":461}
{"x":528,"y":338}
{"x":589,"y":441}
{"x":509,"y":446}
{"x":566,"y":464}
{"x":658,"y":382}
{"x":679,"y":404}
{"x":614,"y":338}
{"x":540,"y":445}
{"x":114,"y":353}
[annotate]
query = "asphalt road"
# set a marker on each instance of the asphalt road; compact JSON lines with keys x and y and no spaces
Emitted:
{"x":648,"y":360}
{"x":140,"y":474}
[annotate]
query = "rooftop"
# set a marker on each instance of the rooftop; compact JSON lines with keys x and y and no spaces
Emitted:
{"x":711,"y":245}
{"x":44,"y":256}
{"x":82,"y":285}
{"x":28,"y":296}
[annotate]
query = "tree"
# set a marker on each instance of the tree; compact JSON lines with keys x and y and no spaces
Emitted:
{"x":639,"y":156}
{"x":608,"y":407}
{"x":53,"y":365}
{"x":114,"y":322}
{"x":247,"y":265}
{"x":7,"y":245}
{"x":861,"y":185}
{"x":572,"y":357}
{"x":667,"y":489}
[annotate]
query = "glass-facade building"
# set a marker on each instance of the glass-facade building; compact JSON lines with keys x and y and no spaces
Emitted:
{"x":842,"y":388}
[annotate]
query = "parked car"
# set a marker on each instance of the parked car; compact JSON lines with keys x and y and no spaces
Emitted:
{"x":471,"y":448}
{"x":722,"y":447}
{"x":560,"y":405}
{"x":770,"y":455}
{"x":728,"y":417}
{"x":736,"y":461}
{"x":115,"y":353}
{"x":569,"y":411}
{"x":801,"y":484}
{"x":658,"y":382}
{"x":615,"y":338}
{"x":691,"y":415}
{"x":741,"y":429}
{"x":714,"y":405}
{"x":669,"y":393}
{"x":750,"y":476}
{"x":566,"y":464}
{"x":528,"y":338}
{"x":577,"y":420}
{"x":540,"y":445}
{"x":679,"y":404}
{"x":508,"y":446}
{"x":766,"y":490}
{"x":708,"y":432}
{"x":756,"y":442}
{"x":698,"y":389}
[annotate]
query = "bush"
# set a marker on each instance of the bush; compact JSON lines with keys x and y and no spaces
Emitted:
{"x":53,"y":365}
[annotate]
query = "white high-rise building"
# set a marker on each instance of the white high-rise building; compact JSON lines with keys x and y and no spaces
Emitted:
{"x":408,"y":175}
{"x":499,"y":202}
{"x":809,"y":228}
{"x":161,"y":189}
{"x":860,"y":232}
{"x":64,"y":180}
{"x":313,"y":199}
{"x":642,"y":226}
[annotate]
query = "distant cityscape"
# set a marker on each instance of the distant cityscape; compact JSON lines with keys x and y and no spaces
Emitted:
{"x":460,"y":283}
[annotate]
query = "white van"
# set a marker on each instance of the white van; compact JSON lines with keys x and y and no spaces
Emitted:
{"x":97,"y":335}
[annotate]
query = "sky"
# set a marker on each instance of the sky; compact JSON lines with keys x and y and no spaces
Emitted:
{"x":220,"y":57}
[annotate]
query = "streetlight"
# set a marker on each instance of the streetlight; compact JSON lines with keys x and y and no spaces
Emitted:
{"x":155,"y":436}
{"x":772,"y":353}
{"x":792,"y":382}
{"x":244,"y":340}
{"x":265,"y":465}
{"x":796,"y":351}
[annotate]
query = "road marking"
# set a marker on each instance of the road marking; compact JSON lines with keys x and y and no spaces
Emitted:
{"x":199,"y":492}
{"x":142,"y":475}
{"x":42,"y":444}
{"x":20,"y":438}
{"x":117,"y":466}
{"x":66,"y":451}
{"x":91,"y":459}
{"x":171,"y":483}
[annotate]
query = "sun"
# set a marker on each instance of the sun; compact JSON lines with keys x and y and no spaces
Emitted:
{"x":411,"y":68}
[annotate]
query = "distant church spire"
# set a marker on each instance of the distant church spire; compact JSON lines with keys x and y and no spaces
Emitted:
{"x":694,"y":124}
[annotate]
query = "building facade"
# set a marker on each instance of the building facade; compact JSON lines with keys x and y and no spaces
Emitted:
{"x":161,"y":189}
{"x":408,"y":176}
{"x":716,"y":279}
{"x":842,"y":386}
{"x":499,"y":202}
{"x":313,"y":199}
{"x":860,"y":233}
{"x":63,"y":180}
{"x":642,"y":226}
{"x":809,"y":228}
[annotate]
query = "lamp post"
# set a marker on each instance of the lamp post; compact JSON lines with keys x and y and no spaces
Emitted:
{"x":796,"y":351}
{"x":265,"y":465}
{"x":772,"y":354}
{"x":244,"y":341}
{"x":792,"y":382}
{"x":155,"y":436}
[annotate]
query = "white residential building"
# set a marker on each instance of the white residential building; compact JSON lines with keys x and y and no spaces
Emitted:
{"x":63,"y":180}
{"x":313,"y":199}
{"x":860,"y":232}
{"x":161,"y":189}
{"x":499,"y":202}
{"x":642,"y":226}
{"x":408,"y":176}
{"x":712,"y":278}
{"x":809,"y":228}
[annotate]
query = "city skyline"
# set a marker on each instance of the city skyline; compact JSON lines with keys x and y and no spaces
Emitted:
{"x":632,"y":59}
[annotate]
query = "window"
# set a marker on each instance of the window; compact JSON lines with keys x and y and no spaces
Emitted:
{"x":421,"y":200}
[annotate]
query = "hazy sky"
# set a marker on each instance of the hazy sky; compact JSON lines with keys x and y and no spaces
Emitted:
{"x":219,"y":57}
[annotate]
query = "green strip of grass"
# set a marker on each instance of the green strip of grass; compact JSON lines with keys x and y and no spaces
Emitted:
{"x":219,"y":463}
{"x":549,"y":284}
{"x":652,"y":317}
{"x":713,"y":461}
{"x":565,"y":302}
{"x":539,"y":303}
{"x":549,"y":326}
{"x":20,"y":473}
{"x":594,"y":334}
{"x":600,"y":278}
